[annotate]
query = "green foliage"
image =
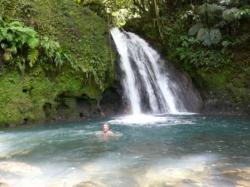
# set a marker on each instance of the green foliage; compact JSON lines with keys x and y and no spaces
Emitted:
{"x":200,"y":34}
{"x":230,"y":83}
{"x":190,"y":52}
{"x":68,"y":54}
{"x":32,"y":56}
{"x":215,"y":18}
{"x":110,"y":5}
{"x":115,"y":12}
{"x":215,"y":36}
{"x":195,"y":29}
{"x":209,"y":37}
{"x":21,"y":44}
{"x":210,"y":10}
{"x":231,"y":14}
{"x":214,"y":80}
{"x":81,"y":32}
{"x":244,"y":12}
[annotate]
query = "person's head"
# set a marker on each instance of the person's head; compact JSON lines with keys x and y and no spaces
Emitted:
{"x":105,"y":127}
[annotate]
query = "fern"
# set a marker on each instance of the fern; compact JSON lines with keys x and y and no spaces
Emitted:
{"x":33,"y":43}
{"x":20,"y":63}
{"x":15,"y":38}
{"x":32,"y":56}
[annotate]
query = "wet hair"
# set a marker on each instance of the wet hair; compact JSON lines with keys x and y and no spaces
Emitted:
{"x":105,"y":124}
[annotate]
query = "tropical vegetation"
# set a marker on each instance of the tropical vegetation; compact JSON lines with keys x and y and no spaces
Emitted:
{"x":53,"y":52}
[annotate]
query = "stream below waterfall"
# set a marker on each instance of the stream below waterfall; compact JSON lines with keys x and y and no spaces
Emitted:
{"x":170,"y":150}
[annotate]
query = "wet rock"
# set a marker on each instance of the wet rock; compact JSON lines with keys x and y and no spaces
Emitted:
{"x":188,"y":93}
{"x":111,"y":101}
{"x":19,"y":168}
{"x":87,"y":184}
{"x":72,"y":108}
{"x":2,"y":184}
{"x":57,"y":183}
{"x":243,"y":173}
{"x":241,"y":176}
{"x":242,"y":183}
{"x":6,"y":155}
{"x":174,"y":177}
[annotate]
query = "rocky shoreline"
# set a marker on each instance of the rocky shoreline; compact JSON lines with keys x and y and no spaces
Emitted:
{"x":169,"y":176}
{"x":87,"y":110}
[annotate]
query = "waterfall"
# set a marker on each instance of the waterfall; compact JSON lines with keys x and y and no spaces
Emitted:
{"x":148,"y":85}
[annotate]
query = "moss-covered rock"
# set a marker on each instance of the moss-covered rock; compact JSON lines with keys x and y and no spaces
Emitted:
{"x":82,"y":34}
{"x":27,"y":97}
{"x":79,"y":30}
{"x":225,"y":91}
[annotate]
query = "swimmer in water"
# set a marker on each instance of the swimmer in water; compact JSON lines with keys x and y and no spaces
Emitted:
{"x":106,"y":130}
{"x":107,"y":133}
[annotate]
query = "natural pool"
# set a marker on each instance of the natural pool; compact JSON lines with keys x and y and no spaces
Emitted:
{"x":181,"y":150}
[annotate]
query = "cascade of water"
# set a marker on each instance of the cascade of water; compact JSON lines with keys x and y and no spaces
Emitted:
{"x":147,"y":84}
{"x":129,"y":80}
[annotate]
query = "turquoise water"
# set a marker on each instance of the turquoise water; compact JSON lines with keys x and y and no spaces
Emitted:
{"x":185,"y":150}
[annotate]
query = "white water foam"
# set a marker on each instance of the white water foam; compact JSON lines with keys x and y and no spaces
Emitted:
{"x":146,"y":120}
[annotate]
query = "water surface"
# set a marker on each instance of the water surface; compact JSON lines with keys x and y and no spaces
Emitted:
{"x":183,"y":150}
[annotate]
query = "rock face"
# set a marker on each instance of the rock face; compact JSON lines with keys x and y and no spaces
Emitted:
{"x":191,"y":96}
{"x":218,"y":103}
{"x":80,"y":108}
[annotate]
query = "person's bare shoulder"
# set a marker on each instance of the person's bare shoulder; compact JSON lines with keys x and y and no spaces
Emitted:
{"x":111,"y":133}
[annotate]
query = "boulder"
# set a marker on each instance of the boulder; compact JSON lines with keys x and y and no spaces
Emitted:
{"x":19,"y":168}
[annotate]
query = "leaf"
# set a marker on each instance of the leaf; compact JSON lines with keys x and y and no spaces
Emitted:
{"x":210,"y":9}
{"x":215,"y":36}
{"x":2,"y":23}
{"x":20,"y":64}
{"x":33,"y":43}
{"x":194,"y":29}
{"x":231,"y":14}
{"x":3,"y":33}
{"x":58,"y":59}
{"x":32,"y":56}
{"x":25,"y":30}
{"x":15,"y":24}
{"x":3,"y":46}
{"x":204,"y":36}
{"x":226,"y":2}
{"x":9,"y":37}
{"x":13,"y":49}
{"x":226,"y":43}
